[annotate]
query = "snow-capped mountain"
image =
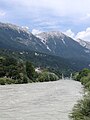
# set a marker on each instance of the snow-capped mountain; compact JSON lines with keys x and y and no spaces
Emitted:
{"x":85,"y":44}
{"x":15,"y":37}
{"x":53,"y":43}
{"x":61,"y":45}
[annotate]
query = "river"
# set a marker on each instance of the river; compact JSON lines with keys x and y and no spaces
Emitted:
{"x":39,"y":101}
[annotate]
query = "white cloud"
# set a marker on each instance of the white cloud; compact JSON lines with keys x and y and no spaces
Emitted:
{"x":85,"y":35}
{"x":70,"y":33}
{"x":70,"y":12}
{"x":35,"y":31}
{"x":61,"y":7}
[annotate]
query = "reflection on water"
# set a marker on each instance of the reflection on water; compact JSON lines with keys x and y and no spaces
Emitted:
{"x":39,"y":101}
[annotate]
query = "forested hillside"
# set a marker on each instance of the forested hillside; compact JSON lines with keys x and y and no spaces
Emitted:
{"x":52,"y":63}
{"x":15,"y":70}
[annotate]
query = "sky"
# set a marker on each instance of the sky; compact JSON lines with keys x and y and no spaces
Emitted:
{"x":69,"y":16}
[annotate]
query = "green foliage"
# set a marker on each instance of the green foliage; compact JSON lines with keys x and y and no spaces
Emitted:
{"x":30,"y":70}
{"x":87,"y":85}
{"x":84,"y":77}
{"x":15,"y":71}
{"x":4,"y":81}
{"x":81,"y":111}
{"x":82,"y":73}
{"x":54,"y":64}
{"x":47,"y":76}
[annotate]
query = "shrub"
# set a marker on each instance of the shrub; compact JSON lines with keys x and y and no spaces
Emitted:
{"x":2,"y":81}
{"x":82,"y":74}
{"x":47,"y":76}
{"x":25,"y":79}
{"x":87,"y":85}
{"x":81,"y":111}
{"x":9,"y":81}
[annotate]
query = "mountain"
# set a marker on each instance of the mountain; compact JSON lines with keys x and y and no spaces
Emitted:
{"x":85,"y":44}
{"x":52,"y":50}
{"x":53,"y":43}
{"x":61,"y":45}
{"x":19,"y":38}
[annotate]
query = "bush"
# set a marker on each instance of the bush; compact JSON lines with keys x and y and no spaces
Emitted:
{"x":84,"y":80}
{"x":25,"y":79}
{"x":4,"y":81}
{"x":9,"y":81}
{"x":47,"y":76}
{"x":87,"y":85}
{"x":81,"y":111}
{"x":82,"y":74}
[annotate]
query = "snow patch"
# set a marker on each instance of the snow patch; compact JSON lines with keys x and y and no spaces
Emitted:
{"x":36,"y":54}
{"x":48,"y":48}
{"x":54,"y":42}
{"x":63,"y":41}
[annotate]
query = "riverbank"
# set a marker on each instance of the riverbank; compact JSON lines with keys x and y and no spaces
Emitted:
{"x":81,"y":110}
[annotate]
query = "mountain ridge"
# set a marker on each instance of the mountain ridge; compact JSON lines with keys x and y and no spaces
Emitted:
{"x":53,"y":43}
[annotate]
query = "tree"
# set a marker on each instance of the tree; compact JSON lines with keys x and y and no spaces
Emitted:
{"x":30,"y":71}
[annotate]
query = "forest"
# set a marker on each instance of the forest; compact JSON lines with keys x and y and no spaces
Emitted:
{"x":18,"y":71}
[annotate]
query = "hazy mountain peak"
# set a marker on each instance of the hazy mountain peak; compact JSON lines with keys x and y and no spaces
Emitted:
{"x":14,"y":27}
{"x":45,"y":36}
{"x":51,"y":34}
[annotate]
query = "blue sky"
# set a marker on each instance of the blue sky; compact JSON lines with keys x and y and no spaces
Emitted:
{"x":69,"y":16}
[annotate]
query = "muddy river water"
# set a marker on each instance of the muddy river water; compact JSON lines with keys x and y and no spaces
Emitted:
{"x":39,"y":101}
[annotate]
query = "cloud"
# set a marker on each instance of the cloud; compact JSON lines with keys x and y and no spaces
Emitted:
{"x":84,"y":35}
{"x":70,"y":33}
{"x":43,"y":13}
{"x":56,"y":7}
{"x":61,"y":7}
{"x":35,"y":31}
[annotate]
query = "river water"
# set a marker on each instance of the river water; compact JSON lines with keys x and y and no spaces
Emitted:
{"x":39,"y":101}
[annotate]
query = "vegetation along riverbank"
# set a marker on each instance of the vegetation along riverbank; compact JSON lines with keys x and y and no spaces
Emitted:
{"x":81,"y":110}
{"x":13,"y":71}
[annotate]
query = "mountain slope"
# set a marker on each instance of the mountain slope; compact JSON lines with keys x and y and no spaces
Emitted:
{"x":15,"y":37}
{"x":52,"y":50}
{"x":62,"y":45}
{"x":85,"y":44}
{"x":53,"y":63}
{"x":53,"y":43}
